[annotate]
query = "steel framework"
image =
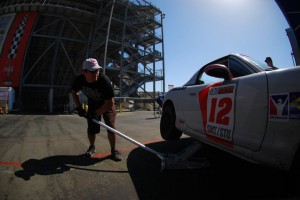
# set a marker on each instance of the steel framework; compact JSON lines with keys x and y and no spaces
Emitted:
{"x":125,"y":36}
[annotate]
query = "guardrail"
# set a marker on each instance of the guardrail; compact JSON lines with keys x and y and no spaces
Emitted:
{"x":134,"y":104}
{"x":123,"y":104}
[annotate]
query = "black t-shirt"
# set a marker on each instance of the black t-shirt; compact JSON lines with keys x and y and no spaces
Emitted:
{"x":96,"y":92}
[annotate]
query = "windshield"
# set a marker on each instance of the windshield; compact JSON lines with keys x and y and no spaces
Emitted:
{"x":193,"y":80}
{"x":261,"y":65}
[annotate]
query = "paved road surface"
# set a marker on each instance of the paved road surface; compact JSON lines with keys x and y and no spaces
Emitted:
{"x":41,"y":158}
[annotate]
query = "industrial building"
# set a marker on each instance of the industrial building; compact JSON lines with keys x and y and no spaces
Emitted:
{"x":44,"y":42}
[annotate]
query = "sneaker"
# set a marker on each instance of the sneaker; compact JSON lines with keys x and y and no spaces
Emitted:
{"x":116,"y":155}
{"x":90,"y":150}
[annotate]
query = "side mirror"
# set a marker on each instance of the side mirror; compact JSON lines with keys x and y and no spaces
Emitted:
{"x":218,"y":71}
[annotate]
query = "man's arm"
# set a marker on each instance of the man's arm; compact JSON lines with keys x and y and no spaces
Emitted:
{"x":75,"y":99}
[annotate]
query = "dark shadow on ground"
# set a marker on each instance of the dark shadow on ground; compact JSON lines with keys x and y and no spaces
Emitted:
{"x":149,"y":118}
{"x":54,"y":165}
{"x":227,"y":176}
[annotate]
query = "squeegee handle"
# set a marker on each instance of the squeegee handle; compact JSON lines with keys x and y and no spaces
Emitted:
{"x":160,"y":155}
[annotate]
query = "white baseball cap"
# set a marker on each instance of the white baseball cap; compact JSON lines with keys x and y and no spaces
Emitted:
{"x":90,"y":64}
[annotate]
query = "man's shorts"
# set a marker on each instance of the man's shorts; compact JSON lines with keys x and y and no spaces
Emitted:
{"x":109,"y":120}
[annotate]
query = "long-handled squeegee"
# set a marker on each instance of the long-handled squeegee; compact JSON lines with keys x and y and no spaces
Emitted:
{"x":168,"y":161}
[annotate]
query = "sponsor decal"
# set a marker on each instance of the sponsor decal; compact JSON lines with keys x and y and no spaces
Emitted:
{"x":294,"y":105}
{"x":279,"y":106}
{"x":217,"y":108}
{"x":284,"y":106}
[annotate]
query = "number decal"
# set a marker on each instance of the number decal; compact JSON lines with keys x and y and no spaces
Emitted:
{"x":222,"y":116}
{"x":225,"y":104}
{"x":218,"y":112}
{"x":212,"y":110}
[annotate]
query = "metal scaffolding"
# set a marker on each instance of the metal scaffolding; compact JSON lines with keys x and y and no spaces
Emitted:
{"x":125,"y":36}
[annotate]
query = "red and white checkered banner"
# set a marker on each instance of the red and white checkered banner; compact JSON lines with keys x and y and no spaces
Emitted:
{"x":12,"y":55}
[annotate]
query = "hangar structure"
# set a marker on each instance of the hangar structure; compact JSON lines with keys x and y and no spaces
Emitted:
{"x":44,"y":42}
{"x":291,"y":11}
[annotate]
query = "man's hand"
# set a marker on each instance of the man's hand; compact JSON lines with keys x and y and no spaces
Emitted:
{"x":81,"y":112}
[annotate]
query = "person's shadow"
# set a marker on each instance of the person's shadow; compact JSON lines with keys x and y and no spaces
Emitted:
{"x":54,"y":165}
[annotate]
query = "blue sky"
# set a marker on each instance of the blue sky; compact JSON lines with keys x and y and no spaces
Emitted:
{"x":199,"y":31}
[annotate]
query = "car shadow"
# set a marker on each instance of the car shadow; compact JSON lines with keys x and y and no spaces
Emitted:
{"x":55,"y":165}
{"x":227,"y":176}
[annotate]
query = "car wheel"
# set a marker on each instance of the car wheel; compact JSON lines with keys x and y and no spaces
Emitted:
{"x":168,"y":130}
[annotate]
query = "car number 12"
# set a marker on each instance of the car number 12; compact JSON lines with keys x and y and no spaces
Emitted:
{"x":220,"y":112}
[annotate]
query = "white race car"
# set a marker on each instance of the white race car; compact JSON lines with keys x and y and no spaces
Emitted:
{"x":242,"y":107}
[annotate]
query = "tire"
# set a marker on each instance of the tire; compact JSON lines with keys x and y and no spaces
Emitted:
{"x":168,"y":131}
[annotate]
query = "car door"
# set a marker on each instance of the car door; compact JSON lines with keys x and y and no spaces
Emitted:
{"x":209,"y":111}
{"x":191,"y":108}
{"x":229,"y":113}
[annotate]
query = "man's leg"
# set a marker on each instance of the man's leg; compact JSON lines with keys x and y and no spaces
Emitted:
{"x":109,"y":119}
{"x":92,"y":148}
{"x":92,"y":139}
{"x":92,"y":130}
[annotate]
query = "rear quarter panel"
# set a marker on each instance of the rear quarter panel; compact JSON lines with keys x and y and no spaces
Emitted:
{"x":251,"y":111}
{"x":283,"y":128}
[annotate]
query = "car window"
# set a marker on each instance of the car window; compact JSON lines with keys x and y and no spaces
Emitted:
{"x":237,"y":69}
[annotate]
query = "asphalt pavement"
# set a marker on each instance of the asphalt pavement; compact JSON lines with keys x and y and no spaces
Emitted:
{"x":41,"y":157}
